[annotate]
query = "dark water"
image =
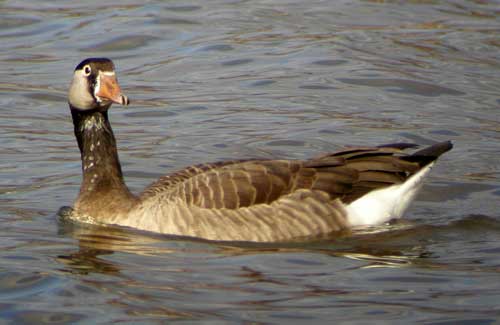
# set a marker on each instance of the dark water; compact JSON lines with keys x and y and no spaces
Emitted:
{"x":235,"y":79}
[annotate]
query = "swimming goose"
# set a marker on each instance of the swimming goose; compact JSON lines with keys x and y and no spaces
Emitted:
{"x":240,"y":200}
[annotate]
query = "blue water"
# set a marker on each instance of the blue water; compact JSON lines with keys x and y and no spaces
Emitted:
{"x":239,"y":79}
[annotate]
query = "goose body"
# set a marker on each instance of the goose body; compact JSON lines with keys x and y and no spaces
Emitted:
{"x":241,"y":200}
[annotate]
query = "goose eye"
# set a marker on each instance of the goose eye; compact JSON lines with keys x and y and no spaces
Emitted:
{"x":87,"y":70}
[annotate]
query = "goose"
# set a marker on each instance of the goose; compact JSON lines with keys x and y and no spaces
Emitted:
{"x":255,"y":200}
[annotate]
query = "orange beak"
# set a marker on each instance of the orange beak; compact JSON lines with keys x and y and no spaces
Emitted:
{"x":110,"y":90}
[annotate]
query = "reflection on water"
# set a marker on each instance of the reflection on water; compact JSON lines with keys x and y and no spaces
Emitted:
{"x":351,"y":271}
{"x":238,"y":79}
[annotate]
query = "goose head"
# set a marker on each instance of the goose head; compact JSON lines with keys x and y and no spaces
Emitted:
{"x":95,"y":86}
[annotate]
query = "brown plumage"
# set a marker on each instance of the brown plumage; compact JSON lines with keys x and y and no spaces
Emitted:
{"x":236,"y":184}
{"x":250,"y":200}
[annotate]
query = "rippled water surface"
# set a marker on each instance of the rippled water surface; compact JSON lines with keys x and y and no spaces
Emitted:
{"x":212,"y":80}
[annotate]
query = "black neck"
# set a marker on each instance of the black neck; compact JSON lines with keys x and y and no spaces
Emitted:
{"x":100,"y":164}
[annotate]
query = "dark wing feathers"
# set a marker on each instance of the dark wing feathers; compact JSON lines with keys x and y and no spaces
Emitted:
{"x":398,"y":145}
{"x":430,"y":153}
{"x":347,"y":175}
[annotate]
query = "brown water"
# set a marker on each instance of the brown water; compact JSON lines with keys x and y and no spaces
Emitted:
{"x":235,"y":79}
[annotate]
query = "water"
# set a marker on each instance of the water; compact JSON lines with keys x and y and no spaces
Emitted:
{"x":239,"y":79}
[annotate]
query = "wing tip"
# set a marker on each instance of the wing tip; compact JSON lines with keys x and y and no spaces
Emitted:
{"x":431,"y":153}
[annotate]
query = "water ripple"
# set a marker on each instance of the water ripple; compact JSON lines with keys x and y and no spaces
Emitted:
{"x":128,"y":42}
{"x":246,"y":79}
{"x":404,"y":86}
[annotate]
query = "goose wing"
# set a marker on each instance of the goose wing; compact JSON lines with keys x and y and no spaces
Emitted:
{"x":346,"y":175}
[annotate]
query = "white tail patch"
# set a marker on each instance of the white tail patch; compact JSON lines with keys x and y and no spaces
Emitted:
{"x":380,"y":206}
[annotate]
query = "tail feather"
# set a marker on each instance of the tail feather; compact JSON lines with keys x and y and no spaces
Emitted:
{"x":388,"y":203}
{"x":429,"y":154}
{"x":381,"y":205}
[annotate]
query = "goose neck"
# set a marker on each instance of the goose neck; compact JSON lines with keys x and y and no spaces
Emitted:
{"x":102,"y":175}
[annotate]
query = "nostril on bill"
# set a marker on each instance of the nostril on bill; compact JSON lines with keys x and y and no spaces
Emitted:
{"x":125,"y":100}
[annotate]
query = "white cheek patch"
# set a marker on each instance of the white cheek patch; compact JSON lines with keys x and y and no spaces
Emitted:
{"x":79,"y":95}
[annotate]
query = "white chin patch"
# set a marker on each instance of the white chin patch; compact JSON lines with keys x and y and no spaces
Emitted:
{"x":97,"y":88}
